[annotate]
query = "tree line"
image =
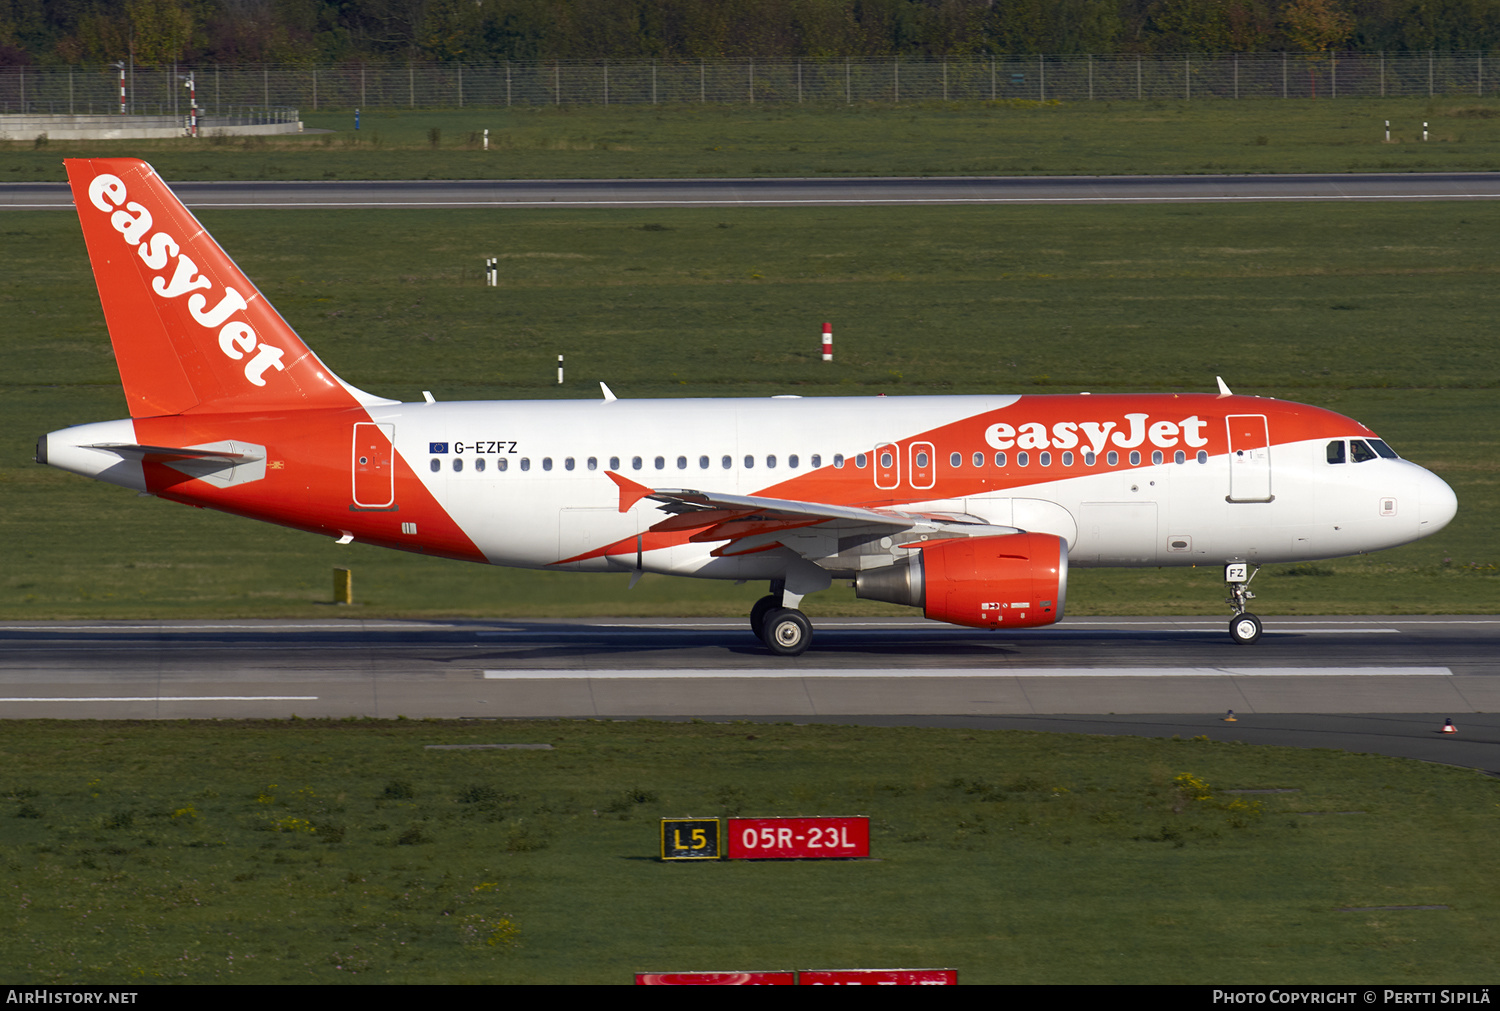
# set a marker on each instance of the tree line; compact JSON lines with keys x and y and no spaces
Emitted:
{"x":159,"y":32}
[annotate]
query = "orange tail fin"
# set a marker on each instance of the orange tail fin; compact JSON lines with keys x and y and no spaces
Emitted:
{"x":190,"y":332}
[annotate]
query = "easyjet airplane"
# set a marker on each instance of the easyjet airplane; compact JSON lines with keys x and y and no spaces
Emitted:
{"x":971,"y":508}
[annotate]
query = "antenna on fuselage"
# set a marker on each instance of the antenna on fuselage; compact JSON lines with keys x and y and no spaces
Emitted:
{"x":609,"y":395}
{"x":1224,"y":390}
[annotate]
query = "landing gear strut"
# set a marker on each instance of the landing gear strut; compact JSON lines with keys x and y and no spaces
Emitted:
{"x":785,"y":630}
{"x":1244,"y":627}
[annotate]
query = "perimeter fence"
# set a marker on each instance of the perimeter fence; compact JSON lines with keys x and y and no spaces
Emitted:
{"x":80,"y":90}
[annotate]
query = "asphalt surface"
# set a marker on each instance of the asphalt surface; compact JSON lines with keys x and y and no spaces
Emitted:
{"x":1378,"y":684}
{"x":800,"y":192}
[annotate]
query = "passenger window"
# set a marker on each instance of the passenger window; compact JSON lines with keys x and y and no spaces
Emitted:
{"x":546,"y":463}
{"x":635,"y":463}
{"x":1112,"y":458}
{"x":886,"y":460}
{"x":771,"y":461}
{"x":614,"y":463}
{"x":661,"y":462}
{"x":1202,"y":456}
{"x":525,"y":463}
{"x":817,"y":459}
{"x":727,"y":462}
{"x":791,"y":461}
{"x":479,"y":464}
{"x":838,"y":461}
{"x":1023,"y":459}
{"x":921,"y":459}
{"x":1067,"y":460}
{"x":702,"y":463}
{"x":1335,"y":451}
{"x":502,"y":464}
{"x":1156,"y":457}
{"x":999,"y":459}
{"x":955,"y":460}
{"x":1359,"y":451}
{"x":593,"y":463}
{"x":1179,"y":457}
{"x":979,"y":459}
{"x":1089,"y":459}
{"x":749,"y":462}
{"x":861,"y":461}
{"x":458,"y":464}
{"x":682,"y":463}
{"x":568,"y":463}
{"x":1135,"y":458}
{"x":437,"y":465}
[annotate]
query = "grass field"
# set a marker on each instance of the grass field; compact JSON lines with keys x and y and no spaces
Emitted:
{"x":1004,"y":138}
{"x":346,"y":852}
{"x":1381,"y":311}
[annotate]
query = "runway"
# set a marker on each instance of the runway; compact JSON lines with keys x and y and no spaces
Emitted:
{"x":1380,"y":684}
{"x":821,"y":192}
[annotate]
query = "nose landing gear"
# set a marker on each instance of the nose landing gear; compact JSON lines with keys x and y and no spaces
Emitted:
{"x":1244,"y":627}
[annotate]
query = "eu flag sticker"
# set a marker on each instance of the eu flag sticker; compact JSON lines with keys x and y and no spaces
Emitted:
{"x":437,"y":447}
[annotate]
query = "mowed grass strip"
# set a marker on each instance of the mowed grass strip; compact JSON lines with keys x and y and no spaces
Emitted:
{"x":322,"y":851}
{"x":867,"y":139}
{"x":1380,"y":311}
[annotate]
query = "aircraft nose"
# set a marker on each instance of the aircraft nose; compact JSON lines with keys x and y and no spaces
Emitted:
{"x":1438,"y":504}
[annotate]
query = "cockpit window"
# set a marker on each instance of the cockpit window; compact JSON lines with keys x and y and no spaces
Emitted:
{"x":1385,"y":451}
{"x":1360,"y":451}
{"x":1336,"y":451}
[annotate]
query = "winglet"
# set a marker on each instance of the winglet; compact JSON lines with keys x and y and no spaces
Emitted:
{"x":1223,"y":388}
{"x":630,"y":492}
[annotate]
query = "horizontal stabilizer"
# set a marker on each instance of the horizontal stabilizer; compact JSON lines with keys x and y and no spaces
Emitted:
{"x":166,"y":454}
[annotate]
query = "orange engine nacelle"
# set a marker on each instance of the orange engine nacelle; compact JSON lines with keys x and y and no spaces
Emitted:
{"x":1009,"y":581}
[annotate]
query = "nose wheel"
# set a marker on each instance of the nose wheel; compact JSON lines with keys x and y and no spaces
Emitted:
{"x":1244,"y":627}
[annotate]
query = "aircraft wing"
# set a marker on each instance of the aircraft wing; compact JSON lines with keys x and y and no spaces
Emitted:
{"x":756,"y":523}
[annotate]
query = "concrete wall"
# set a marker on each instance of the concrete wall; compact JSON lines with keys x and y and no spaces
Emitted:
{"x":107,"y":127}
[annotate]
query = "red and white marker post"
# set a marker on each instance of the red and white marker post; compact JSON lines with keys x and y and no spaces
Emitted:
{"x":192,"y":105}
{"x":828,"y":342}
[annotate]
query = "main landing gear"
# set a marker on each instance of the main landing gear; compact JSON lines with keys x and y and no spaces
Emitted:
{"x":1244,"y":627}
{"x":785,"y":630}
